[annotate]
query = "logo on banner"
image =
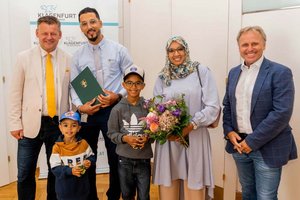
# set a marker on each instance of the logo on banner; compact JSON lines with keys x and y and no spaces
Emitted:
{"x":51,"y":10}
{"x":72,"y":41}
{"x":48,"y":8}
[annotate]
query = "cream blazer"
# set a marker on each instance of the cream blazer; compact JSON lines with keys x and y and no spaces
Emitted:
{"x":26,"y":90}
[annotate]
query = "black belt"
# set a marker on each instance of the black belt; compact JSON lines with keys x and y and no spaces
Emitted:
{"x":47,"y":119}
{"x":133,"y":159}
{"x":242,"y":136}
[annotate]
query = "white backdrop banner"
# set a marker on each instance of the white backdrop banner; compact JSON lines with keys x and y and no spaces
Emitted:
{"x":72,"y":38}
{"x":67,"y":12}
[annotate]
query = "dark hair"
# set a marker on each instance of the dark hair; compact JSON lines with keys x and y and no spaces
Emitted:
{"x":49,"y":20}
{"x":88,"y":10}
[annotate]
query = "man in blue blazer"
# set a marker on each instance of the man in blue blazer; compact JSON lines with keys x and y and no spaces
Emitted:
{"x":258,"y":105}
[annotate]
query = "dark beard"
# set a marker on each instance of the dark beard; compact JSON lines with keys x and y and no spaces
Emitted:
{"x":93,"y":39}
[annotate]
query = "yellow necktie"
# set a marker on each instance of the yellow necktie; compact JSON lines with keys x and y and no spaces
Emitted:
{"x":50,"y":87}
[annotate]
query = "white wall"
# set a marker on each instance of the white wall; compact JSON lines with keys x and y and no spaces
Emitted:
{"x":3,"y":141}
{"x":204,"y":25}
{"x":15,"y":36}
{"x":7,"y":144}
{"x":147,"y":25}
{"x":210,"y":28}
{"x":233,"y":57}
{"x":283,"y":46}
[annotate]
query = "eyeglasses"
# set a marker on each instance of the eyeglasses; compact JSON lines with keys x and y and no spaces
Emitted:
{"x":178,"y":50}
{"x":92,"y":22}
{"x":137,"y":84}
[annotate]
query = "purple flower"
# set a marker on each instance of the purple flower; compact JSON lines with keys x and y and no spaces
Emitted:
{"x":146,"y":103}
{"x":166,"y":118}
{"x":161,"y":108}
{"x":176,"y":112}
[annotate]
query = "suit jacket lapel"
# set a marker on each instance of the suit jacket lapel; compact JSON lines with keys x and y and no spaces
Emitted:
{"x":262,"y":74}
{"x":38,"y":65}
{"x":63,"y":81}
{"x":60,"y":69}
{"x":235,"y":79}
{"x":61,"y":72}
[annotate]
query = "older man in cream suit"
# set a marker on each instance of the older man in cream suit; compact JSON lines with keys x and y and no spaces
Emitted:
{"x":39,"y":93}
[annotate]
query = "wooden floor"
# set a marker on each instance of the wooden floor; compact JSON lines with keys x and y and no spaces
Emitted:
{"x":9,"y":192}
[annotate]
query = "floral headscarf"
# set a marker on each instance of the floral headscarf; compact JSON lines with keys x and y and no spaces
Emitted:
{"x":171,"y":71}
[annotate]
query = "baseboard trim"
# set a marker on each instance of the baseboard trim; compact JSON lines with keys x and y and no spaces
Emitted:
{"x":219,"y":194}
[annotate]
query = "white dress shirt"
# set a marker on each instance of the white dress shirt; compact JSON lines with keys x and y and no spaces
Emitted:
{"x":243,"y":94}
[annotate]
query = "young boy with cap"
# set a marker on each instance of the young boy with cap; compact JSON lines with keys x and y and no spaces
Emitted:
{"x":71,"y":157}
{"x":126,"y":130}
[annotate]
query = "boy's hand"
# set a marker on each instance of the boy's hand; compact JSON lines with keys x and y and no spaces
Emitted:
{"x":131,"y":140}
{"x":142,"y":141}
{"x":87,"y":164}
{"x":136,"y":142}
{"x":76,"y":171}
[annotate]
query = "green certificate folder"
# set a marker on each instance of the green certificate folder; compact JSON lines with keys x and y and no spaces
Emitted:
{"x":86,"y":86}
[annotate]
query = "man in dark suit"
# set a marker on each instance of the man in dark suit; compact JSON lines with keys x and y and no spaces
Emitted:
{"x":258,"y":105}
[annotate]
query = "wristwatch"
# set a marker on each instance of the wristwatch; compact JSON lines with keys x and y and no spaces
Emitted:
{"x":194,"y":125}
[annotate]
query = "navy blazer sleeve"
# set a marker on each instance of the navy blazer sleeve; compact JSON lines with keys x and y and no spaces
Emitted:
{"x":272,"y":105}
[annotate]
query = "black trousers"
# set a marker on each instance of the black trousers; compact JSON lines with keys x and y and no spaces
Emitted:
{"x":90,"y":132}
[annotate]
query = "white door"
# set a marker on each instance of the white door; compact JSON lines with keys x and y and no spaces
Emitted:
{"x":4,"y":172}
{"x":8,"y":145}
{"x":283,"y":46}
{"x":147,"y":26}
{"x":204,"y":25}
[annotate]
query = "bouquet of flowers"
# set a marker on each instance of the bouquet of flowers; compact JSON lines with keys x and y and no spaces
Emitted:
{"x":166,"y":118}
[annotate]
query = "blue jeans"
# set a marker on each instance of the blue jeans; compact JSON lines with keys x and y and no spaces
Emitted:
{"x":90,"y":132}
{"x":259,"y":181}
{"x":134,"y":176}
{"x":28,"y":152}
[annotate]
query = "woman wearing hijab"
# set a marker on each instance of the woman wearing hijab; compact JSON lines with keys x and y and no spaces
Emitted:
{"x":185,"y":173}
